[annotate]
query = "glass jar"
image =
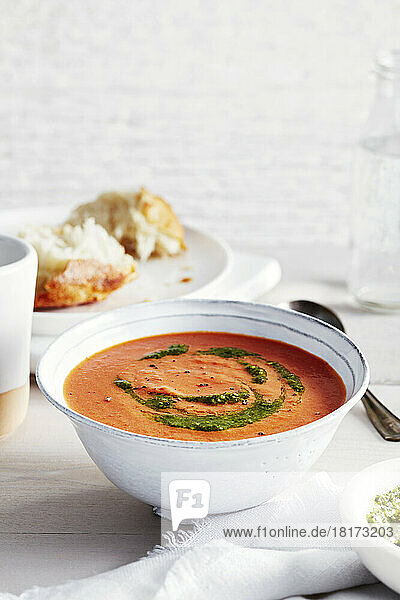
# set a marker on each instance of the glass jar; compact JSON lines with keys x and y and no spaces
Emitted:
{"x":374,"y":276}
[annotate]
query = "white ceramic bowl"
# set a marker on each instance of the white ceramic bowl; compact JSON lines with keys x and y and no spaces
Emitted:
{"x":135,"y":462}
{"x":380,"y":556}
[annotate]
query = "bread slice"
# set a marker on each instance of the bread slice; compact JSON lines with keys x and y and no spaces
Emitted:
{"x":77,"y":264}
{"x":144,"y":224}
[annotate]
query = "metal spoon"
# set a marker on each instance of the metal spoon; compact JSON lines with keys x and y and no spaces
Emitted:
{"x":384,"y":421}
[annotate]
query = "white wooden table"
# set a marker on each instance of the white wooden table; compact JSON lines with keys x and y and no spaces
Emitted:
{"x":60,"y":518}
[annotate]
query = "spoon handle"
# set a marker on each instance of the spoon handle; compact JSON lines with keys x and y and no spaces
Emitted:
{"x":384,"y":421}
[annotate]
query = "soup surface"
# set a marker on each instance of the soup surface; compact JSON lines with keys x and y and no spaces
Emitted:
{"x":204,"y":386}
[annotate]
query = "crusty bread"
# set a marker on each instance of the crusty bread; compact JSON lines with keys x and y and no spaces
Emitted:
{"x":144,"y":224}
{"x":77,"y":264}
{"x":82,"y":281}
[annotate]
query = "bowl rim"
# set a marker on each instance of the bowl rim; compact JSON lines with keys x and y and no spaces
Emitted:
{"x":171,"y":442}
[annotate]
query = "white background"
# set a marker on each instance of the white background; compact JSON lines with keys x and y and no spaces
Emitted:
{"x":243,"y":113}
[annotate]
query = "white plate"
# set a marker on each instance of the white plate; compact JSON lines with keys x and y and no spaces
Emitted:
{"x":251,"y":276}
{"x":206,"y":264}
{"x":379,"y":555}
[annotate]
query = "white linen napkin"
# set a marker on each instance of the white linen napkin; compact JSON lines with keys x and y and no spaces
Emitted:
{"x":203,"y":566}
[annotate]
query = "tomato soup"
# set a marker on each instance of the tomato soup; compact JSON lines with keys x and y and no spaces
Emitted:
{"x":204,"y":386}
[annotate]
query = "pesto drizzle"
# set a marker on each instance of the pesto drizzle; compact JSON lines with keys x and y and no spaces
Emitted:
{"x":214,"y":399}
{"x":258,"y":374}
{"x":161,"y":401}
{"x":229,"y":352}
{"x":173,"y":350}
{"x":259,"y":410}
{"x":156,"y":401}
{"x":291,"y":379}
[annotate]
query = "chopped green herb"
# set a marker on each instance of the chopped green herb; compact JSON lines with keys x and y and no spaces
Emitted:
{"x":387,"y":508}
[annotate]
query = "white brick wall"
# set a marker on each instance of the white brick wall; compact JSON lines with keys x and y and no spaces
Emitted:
{"x":242,"y":112}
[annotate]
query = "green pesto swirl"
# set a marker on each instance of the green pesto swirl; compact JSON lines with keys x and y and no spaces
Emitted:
{"x":257,"y":410}
{"x":228,"y":352}
{"x":258,"y":374}
{"x":155,"y":401}
{"x":291,"y":379}
{"x":173,"y":350}
{"x":162,"y":401}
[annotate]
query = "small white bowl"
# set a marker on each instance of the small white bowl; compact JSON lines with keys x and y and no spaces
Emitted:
{"x":135,"y":462}
{"x":379,"y":555}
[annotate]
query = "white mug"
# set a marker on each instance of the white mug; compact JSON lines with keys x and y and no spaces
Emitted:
{"x":18,"y":269}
